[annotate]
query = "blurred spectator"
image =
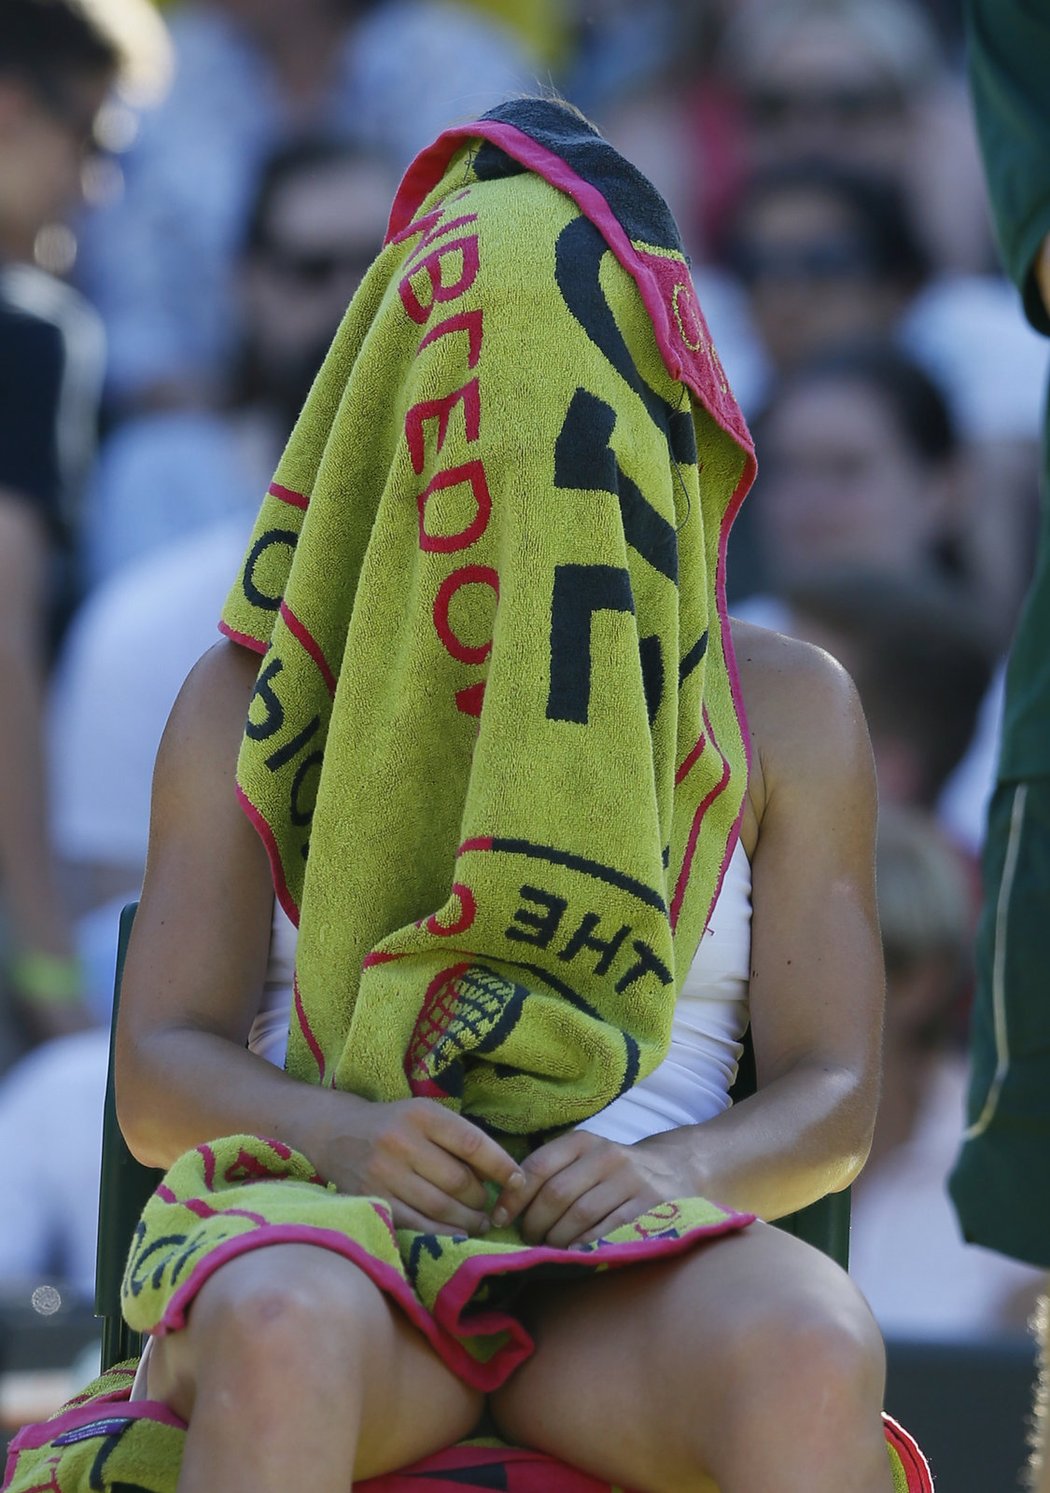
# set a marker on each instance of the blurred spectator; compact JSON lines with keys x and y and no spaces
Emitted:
{"x":115,"y":683}
{"x":864,"y":461}
{"x":969,"y":334}
{"x":906,"y":1251}
{"x":826,"y":253}
{"x":831,"y":77}
{"x":55,"y":71}
{"x":921,"y":662}
{"x":866,"y":85}
{"x":316,"y":222}
{"x":250,"y":74}
{"x":818,"y":234}
{"x":51,"y":1129}
{"x":860,"y":466}
{"x":753,"y":85}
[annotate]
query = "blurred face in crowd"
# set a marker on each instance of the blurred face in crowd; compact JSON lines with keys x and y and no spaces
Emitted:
{"x":810,"y":276}
{"x":46,"y":132}
{"x":824,"y":94}
{"x":841,"y":486}
{"x":325,"y":227}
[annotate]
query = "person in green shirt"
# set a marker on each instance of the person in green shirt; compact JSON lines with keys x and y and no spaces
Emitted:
{"x":1001,"y":1182}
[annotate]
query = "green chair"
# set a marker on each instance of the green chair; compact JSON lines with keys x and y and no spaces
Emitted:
{"x":126,"y":1184}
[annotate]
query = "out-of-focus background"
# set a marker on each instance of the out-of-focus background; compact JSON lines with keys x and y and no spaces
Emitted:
{"x":179,"y":235}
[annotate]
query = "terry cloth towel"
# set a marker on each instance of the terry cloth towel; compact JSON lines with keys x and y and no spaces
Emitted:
{"x":496,"y":748}
{"x":101,"y":1442}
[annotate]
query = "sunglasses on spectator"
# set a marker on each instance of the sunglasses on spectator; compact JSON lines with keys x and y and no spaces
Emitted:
{"x":313,"y":269}
{"x":773,"y":107}
{"x":831,"y":259}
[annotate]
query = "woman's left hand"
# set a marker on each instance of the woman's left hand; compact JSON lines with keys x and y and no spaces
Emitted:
{"x":580,"y":1186}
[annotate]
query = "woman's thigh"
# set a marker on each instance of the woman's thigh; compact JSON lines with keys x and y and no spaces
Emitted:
{"x":640,"y":1375}
{"x":294,"y":1323}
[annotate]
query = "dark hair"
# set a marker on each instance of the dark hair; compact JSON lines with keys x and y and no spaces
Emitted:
{"x":875,"y":203}
{"x":251,"y":380}
{"x":46,"y":42}
{"x":921,"y":659}
{"x":914,"y":400}
{"x":287,"y":161}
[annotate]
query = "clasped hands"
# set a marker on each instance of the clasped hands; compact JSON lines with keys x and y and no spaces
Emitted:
{"x":437,"y":1169}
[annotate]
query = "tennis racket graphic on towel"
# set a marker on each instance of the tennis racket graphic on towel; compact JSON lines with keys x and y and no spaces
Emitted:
{"x":468,"y":1011}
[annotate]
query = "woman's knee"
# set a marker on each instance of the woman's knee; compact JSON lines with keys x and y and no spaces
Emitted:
{"x":305,"y":1320}
{"x":812,"y":1341}
{"x":280,"y":1309}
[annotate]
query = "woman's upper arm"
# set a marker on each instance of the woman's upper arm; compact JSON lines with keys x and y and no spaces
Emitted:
{"x":198,"y":952}
{"x":817,"y":982}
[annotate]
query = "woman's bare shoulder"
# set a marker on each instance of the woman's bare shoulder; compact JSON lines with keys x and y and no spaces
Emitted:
{"x":197,"y":757}
{"x":775,"y":667}
{"x":221,"y":681}
{"x":211,"y":706}
{"x":804,"y":715}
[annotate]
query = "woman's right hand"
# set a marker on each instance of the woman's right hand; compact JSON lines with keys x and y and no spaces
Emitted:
{"x":428,"y":1162}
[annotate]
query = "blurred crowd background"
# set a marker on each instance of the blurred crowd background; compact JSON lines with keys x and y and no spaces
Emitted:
{"x":193,"y":246}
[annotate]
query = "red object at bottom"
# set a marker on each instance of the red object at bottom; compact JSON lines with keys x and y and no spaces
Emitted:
{"x":470,"y":1466}
{"x":466,"y":1468}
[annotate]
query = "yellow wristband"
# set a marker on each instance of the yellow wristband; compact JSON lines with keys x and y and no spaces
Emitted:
{"x":46,"y":979}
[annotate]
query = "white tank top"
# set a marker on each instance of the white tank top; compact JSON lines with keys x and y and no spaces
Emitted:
{"x":693,"y":1081}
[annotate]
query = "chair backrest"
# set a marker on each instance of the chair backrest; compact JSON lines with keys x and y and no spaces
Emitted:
{"x":125,"y":1184}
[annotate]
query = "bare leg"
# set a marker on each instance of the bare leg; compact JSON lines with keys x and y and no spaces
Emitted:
{"x":752,"y":1363}
{"x":295,"y":1369}
{"x":1039,"y":1466}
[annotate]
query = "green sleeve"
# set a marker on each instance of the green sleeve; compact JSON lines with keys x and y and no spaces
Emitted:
{"x":1009,"y":64}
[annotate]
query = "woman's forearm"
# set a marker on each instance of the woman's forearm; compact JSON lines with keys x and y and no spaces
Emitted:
{"x":182,"y":1086}
{"x":432,"y":1166}
{"x":799,"y":1137}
